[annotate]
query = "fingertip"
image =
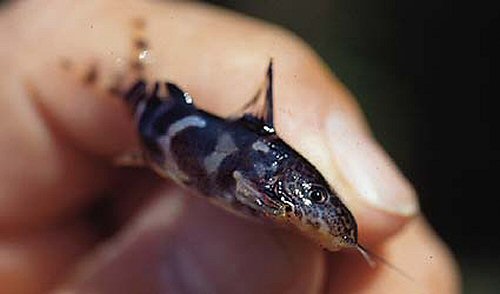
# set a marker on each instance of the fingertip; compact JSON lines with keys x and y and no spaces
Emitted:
{"x":320,"y":119}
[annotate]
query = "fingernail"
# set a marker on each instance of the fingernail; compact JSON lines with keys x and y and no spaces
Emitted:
{"x":367,"y":168}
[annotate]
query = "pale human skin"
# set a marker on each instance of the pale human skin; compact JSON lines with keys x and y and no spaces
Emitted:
{"x":59,"y":137}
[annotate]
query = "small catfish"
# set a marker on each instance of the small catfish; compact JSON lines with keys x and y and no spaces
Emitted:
{"x":240,"y":162}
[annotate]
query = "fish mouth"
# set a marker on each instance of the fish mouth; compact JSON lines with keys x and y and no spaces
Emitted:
{"x":287,"y":205}
{"x":320,"y":233}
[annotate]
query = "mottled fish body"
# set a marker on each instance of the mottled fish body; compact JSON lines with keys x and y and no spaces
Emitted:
{"x":239,"y":162}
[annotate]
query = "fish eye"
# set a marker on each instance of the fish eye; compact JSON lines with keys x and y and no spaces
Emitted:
{"x":317,"y":194}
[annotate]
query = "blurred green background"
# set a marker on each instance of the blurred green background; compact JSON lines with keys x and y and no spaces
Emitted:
{"x":423,"y":73}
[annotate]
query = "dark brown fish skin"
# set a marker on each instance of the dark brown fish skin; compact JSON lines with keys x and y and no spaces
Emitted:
{"x":238,"y":165}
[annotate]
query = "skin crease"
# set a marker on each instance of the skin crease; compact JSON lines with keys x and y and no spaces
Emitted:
{"x":59,"y":137}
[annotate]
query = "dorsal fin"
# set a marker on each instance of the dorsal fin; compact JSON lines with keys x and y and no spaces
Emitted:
{"x":259,"y":110}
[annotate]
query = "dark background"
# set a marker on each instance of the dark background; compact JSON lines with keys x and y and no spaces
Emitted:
{"x":425,"y":73}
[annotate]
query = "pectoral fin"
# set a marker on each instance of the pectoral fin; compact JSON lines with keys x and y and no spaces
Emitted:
{"x":249,"y":195}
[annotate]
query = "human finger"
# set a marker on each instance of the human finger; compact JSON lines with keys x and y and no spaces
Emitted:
{"x":314,"y":113}
{"x":181,"y":244}
{"x":34,"y":263}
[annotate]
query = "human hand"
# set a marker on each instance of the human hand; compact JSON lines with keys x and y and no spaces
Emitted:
{"x":60,"y":131}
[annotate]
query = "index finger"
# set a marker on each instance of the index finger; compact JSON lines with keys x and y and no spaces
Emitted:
{"x":220,"y":64}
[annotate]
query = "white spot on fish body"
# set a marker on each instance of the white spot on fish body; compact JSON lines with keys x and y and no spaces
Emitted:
{"x":260,"y":146}
{"x":225,"y":147}
{"x":269,"y":129}
{"x":184,"y":123}
{"x":188,"y":98}
{"x":165,"y":142}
